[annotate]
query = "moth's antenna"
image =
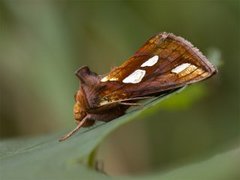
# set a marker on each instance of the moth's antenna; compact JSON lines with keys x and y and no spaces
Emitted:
{"x":74,"y":130}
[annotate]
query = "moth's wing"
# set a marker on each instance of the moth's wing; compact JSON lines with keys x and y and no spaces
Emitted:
{"x":163,"y":63}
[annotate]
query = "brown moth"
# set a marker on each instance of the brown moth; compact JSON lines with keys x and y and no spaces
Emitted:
{"x":162,"y":65}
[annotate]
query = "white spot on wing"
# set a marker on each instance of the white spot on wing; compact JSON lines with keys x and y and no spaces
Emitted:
{"x":135,"y":77}
{"x":150,"y":62}
{"x":180,"y":68}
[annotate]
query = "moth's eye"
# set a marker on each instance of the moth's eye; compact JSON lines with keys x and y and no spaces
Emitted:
{"x":83,"y":113}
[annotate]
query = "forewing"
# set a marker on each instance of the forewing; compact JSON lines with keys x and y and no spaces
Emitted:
{"x":163,"y":63}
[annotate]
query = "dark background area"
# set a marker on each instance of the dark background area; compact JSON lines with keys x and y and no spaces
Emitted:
{"x":43,"y":43}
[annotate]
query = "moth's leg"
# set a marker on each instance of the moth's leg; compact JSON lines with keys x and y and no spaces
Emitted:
{"x":123,"y":101}
{"x":137,"y":98}
{"x":137,"y":105}
{"x":74,"y":130}
{"x":130,"y":104}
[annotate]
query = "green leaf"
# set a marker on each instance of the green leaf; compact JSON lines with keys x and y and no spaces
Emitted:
{"x":46,"y":158}
{"x":223,"y":166}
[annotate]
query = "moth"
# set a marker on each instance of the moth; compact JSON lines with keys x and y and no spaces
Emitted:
{"x":162,"y":65}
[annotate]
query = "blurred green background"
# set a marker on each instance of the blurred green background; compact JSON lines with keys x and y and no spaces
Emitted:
{"x":43,"y":43}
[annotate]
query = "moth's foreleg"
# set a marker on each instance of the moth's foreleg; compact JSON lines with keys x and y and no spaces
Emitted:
{"x":74,"y":130}
{"x":131,"y":104}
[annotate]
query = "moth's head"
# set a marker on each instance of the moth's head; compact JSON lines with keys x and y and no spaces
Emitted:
{"x":79,"y":109}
